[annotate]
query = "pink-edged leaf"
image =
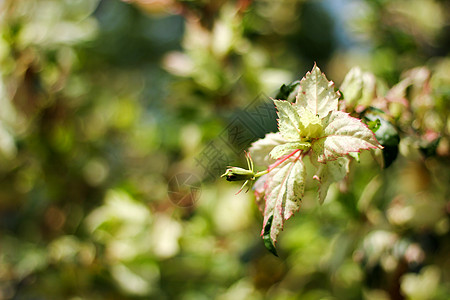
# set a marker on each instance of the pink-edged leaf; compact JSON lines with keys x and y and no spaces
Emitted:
{"x":260,"y":149}
{"x":260,"y":192}
{"x":330,"y":172}
{"x":342,"y":134}
{"x":289,"y":120}
{"x":284,"y":191}
{"x":317,"y":93}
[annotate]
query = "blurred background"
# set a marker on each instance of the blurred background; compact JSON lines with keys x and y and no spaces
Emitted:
{"x":118,"y":117}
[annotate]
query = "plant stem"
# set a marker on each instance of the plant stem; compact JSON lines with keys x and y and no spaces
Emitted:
{"x":259,"y":174}
{"x":281,"y":160}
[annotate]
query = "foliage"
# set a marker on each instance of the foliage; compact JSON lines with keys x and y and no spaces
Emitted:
{"x":104,"y":103}
{"x":315,"y":134}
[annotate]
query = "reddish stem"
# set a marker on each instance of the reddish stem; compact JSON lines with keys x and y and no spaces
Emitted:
{"x":281,"y":160}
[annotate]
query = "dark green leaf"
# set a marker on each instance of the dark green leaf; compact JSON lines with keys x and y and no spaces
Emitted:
{"x":387,"y":135}
{"x":268,"y":243}
{"x":286,"y":90}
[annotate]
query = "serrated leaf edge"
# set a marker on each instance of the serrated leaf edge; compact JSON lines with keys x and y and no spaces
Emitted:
{"x":334,"y":157}
{"x":330,"y":85}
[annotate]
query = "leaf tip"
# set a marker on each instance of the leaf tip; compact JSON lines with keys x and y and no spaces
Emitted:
{"x":315,"y":65}
{"x":268,"y":242}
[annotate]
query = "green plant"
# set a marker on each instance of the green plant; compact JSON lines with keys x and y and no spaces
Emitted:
{"x":315,"y":141}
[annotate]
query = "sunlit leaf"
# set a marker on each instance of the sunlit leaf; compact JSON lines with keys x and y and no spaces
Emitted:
{"x":330,"y":172}
{"x":288,"y":92}
{"x":284,"y":192}
{"x":312,"y":123}
{"x":260,"y":149}
{"x":289,"y":120}
{"x":317,"y":93}
{"x":343,"y":134}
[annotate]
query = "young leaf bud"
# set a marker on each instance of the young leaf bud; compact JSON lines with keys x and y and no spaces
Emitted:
{"x":238,"y":174}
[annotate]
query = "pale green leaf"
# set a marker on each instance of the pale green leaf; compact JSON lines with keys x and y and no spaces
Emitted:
{"x":329,"y":172}
{"x":355,"y":155}
{"x":358,"y":87}
{"x":289,"y":120}
{"x":311,"y":125}
{"x":311,"y":128}
{"x":369,"y":89}
{"x":260,"y":149}
{"x":317,"y":93}
{"x":284,"y":191}
{"x":342,"y":134}
{"x":287,"y":148}
{"x":352,"y":86}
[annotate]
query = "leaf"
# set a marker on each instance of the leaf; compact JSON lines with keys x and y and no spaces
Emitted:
{"x":415,"y":87}
{"x":268,"y":242}
{"x":358,"y":87}
{"x":284,"y":191}
{"x":343,"y":134}
{"x":317,"y":93}
{"x":310,"y":125}
{"x":352,"y":86}
{"x":288,"y":92}
{"x":287,"y":148}
{"x":289,"y":120}
{"x":330,"y":172}
{"x":260,"y":149}
{"x":388,"y":137}
{"x":259,"y":191}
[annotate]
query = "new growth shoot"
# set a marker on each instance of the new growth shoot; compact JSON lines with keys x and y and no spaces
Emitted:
{"x":238,"y":174}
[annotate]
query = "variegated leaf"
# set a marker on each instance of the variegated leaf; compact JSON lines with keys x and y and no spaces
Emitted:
{"x":260,"y":149}
{"x":289,"y":120}
{"x":284,"y":191}
{"x":330,"y":172}
{"x":317,"y":93}
{"x":342,"y":134}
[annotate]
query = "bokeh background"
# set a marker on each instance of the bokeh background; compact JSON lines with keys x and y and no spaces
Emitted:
{"x":104,"y":103}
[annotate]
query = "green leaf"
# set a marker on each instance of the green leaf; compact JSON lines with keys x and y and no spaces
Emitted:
{"x":355,"y":155}
{"x":358,"y":87}
{"x":268,"y":242}
{"x":374,"y":125}
{"x":287,"y":148}
{"x":387,"y":135}
{"x":352,"y":86}
{"x":289,"y":120}
{"x":342,"y":134}
{"x":288,"y":92}
{"x":284,"y":191}
{"x":317,"y":93}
